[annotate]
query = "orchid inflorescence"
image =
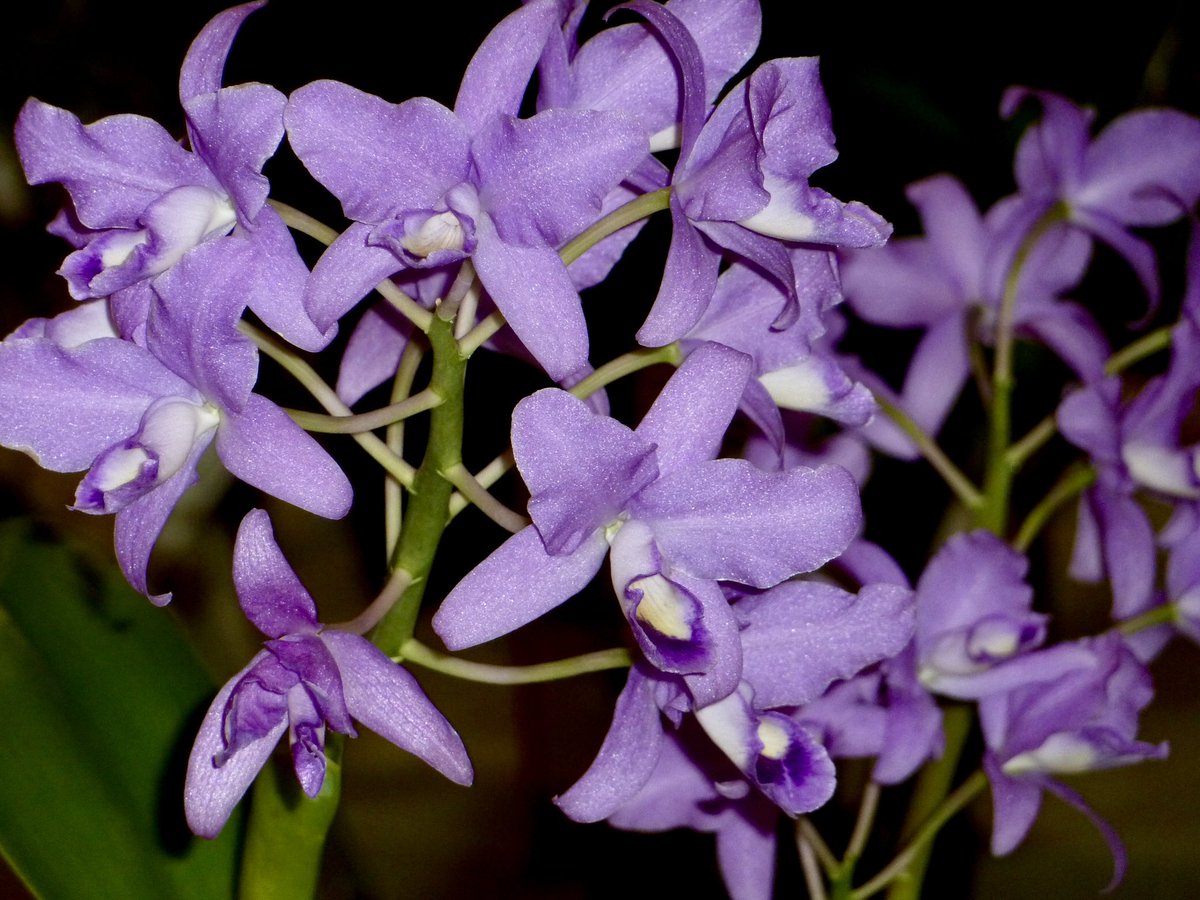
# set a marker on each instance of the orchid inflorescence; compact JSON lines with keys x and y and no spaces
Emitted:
{"x":767,"y":637}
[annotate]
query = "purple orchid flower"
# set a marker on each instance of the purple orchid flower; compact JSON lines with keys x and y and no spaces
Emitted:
{"x":956,"y":270}
{"x":794,"y":368}
{"x":1080,"y":720}
{"x":973,"y":616}
{"x":428,"y":187}
{"x":627,"y":70}
{"x":742,"y":182}
{"x":795,"y":639}
{"x":139,"y":417}
{"x":307,"y":678}
{"x":142,"y":202}
{"x":677,"y":522}
{"x":1143,"y":169}
{"x":1133,"y":446}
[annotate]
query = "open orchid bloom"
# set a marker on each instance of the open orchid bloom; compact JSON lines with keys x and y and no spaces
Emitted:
{"x":429,"y":187}
{"x":677,"y":522}
{"x":306,"y":679}
{"x":141,"y":202}
{"x":1143,"y":169}
{"x":139,"y":424}
{"x":1080,"y":720}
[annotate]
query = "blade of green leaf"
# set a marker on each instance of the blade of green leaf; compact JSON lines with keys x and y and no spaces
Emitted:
{"x":109,"y":695}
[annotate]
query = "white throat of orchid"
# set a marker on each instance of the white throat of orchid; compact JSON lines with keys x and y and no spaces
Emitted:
{"x":800,"y":387}
{"x":783,"y":216}
{"x":443,"y":231}
{"x":1169,"y":471}
{"x":662,"y":608}
{"x":1062,"y":752}
{"x":172,"y":428}
{"x":775,"y":740}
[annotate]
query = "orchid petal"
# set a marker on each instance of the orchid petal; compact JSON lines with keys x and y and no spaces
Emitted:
{"x":271,"y":595}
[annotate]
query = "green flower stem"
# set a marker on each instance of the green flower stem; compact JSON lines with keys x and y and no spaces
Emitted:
{"x":812,"y":873}
{"x":1037,"y":437}
{"x":1147,"y":345}
{"x":843,"y":877}
{"x":306,"y":224}
{"x":1160,"y":615}
{"x":406,"y":373}
{"x":806,"y":833}
{"x":627,"y":364}
{"x":1073,"y":482}
{"x":428,"y":509}
{"x":477,"y":494}
{"x":962,"y":487}
{"x":368,"y":421}
{"x":997,"y":482}
{"x":636,"y":209}
{"x":485,"y":477}
{"x":899,"y":871}
{"x":396,"y":585}
{"x":415,"y":652}
{"x":287,"y":830}
{"x":933,"y":784}
{"x":325,"y":395}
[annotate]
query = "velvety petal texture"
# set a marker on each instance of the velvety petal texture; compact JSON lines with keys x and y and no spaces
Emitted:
{"x":303,"y":681}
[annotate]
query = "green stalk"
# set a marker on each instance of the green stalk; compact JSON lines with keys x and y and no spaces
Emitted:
{"x":428,"y":507}
{"x":286,"y":833}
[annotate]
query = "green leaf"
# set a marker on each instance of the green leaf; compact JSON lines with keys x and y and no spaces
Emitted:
{"x":102,"y":696}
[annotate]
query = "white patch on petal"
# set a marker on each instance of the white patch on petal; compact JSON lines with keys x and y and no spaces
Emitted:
{"x":117,"y":246}
{"x":662,"y":608}
{"x":86,"y":322}
{"x":728,"y":724}
{"x":799,"y":387}
{"x":1161,"y":469}
{"x":997,"y":640}
{"x":781,"y":217}
{"x":775,"y":740}
{"x":172,"y":429}
{"x":1063,"y":753}
{"x":119,"y":468}
{"x":668,"y":139}
{"x":443,"y":231}
{"x":185,"y":217}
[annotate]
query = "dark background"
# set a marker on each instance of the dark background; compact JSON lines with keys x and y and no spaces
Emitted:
{"x":914,"y":91}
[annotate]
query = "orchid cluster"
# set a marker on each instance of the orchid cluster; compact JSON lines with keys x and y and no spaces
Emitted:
{"x":769,"y":638}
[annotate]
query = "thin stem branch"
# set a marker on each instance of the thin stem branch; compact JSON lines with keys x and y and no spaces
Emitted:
{"x":636,"y":209}
{"x":601,"y":660}
{"x":867,"y":807}
{"x":964,"y":794}
{"x":472,"y":490}
{"x":807,"y":832}
{"x":328,"y":398}
{"x":306,"y":224}
{"x":812,"y":874}
{"x":486,"y":477}
{"x":1167,"y":614}
{"x":393,"y":500}
{"x":1037,"y":437}
{"x":377,"y":609}
{"x":1147,"y":345}
{"x":962,"y":487}
{"x":1073,"y":482}
{"x":368,"y":421}
{"x":627,"y":364}
{"x":997,"y":482}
